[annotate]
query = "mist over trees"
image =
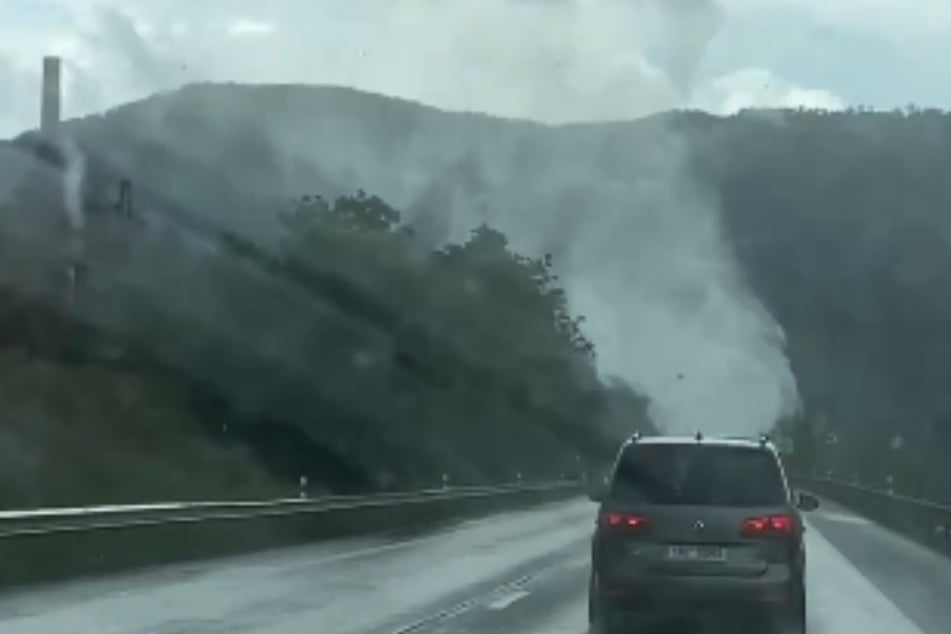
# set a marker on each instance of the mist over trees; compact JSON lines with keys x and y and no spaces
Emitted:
{"x":487,"y":369}
{"x":842,"y":222}
{"x":839,"y":223}
{"x":351,"y":354}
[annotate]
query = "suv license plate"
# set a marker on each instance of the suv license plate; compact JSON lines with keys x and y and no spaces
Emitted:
{"x":696,"y":553}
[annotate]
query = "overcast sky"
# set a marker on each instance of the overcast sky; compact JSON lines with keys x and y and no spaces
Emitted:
{"x":551,"y":60}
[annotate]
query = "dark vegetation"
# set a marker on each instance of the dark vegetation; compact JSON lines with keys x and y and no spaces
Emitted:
{"x":842,"y":224}
{"x":340,"y":339}
{"x":414,"y":364}
{"x":484,"y":360}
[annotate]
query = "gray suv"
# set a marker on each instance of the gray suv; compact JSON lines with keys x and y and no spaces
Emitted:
{"x":698,"y":529}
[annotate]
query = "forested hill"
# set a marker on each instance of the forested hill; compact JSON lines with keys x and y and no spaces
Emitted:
{"x":842,"y":223}
{"x":839,"y":221}
{"x":351,"y":354}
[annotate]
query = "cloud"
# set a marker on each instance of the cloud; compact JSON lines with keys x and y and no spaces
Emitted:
{"x":140,"y":61}
{"x":551,"y":61}
{"x":248,"y":27}
{"x":15,"y":81}
{"x":684,"y":29}
{"x":878,"y":17}
{"x":759,"y":88}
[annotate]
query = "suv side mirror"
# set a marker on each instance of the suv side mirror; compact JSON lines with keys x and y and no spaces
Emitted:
{"x":807,"y":502}
{"x":596,"y":489}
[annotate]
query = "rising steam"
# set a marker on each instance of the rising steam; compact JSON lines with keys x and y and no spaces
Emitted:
{"x":639,"y":243}
{"x":74,"y":171}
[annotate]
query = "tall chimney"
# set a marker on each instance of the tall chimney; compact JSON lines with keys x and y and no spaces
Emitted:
{"x":50,"y":101}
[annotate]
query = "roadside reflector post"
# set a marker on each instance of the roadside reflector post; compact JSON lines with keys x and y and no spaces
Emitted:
{"x":445,"y":480}
{"x":303,"y":486}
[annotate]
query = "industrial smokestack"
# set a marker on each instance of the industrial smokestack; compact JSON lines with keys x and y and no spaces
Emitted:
{"x":50,"y":102}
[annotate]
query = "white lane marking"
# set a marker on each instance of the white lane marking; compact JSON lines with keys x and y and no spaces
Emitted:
{"x":844,"y":518}
{"x":455,"y":610}
{"x":503,"y":591}
{"x":507,"y":600}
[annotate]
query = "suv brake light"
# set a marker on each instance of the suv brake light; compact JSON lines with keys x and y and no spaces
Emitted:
{"x":767,"y":526}
{"x":622,"y":520}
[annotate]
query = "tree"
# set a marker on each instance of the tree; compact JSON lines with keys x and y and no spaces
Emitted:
{"x":485,"y":353}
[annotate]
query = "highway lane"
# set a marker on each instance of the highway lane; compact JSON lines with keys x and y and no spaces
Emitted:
{"x":841,"y":600}
{"x":914,"y":578}
{"x":517,"y":572}
{"x":348,"y":587}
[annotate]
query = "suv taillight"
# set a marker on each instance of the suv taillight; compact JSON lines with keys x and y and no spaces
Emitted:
{"x":622,"y":521}
{"x":767,"y":526}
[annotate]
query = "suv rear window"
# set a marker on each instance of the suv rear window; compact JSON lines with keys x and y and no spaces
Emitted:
{"x":698,"y":475}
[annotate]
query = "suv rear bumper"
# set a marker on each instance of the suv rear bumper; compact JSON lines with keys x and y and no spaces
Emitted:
{"x":777,"y":591}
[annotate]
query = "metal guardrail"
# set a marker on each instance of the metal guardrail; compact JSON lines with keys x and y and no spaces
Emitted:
{"x":925,"y":521}
{"x":53,"y":544}
{"x":47,"y":521}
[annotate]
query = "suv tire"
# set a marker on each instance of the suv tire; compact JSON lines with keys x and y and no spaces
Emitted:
{"x":600,"y":619}
{"x":592,"y":609}
{"x":792,"y":621}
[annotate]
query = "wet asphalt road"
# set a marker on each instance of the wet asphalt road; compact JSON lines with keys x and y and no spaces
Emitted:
{"x":512,"y":573}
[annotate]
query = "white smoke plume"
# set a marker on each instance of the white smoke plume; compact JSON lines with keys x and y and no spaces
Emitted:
{"x":74,"y":171}
{"x":646,"y":263}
